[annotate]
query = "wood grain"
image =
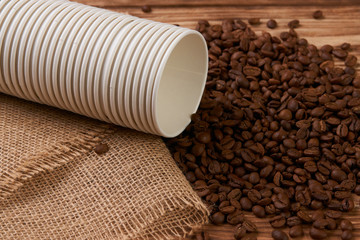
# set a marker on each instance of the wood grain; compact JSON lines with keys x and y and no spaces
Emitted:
{"x":341,"y":24}
{"x":195,"y":3}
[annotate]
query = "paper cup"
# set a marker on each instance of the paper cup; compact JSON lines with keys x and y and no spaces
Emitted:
{"x":106,"y":65}
{"x":72,"y":55}
{"x":131,"y":86}
{"x":17,"y":59}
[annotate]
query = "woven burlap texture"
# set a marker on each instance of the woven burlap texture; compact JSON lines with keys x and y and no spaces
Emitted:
{"x":54,"y":186}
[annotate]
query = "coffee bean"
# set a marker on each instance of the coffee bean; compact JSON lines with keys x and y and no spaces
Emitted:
{"x":346,"y":225}
{"x":332,"y":225}
{"x":304,"y":216}
{"x":254,"y":21}
{"x":339,"y":53}
{"x":350,"y":61}
{"x":347,"y":205}
{"x":333,"y":214}
{"x":279,"y":235}
{"x":249,"y":226}
{"x":146,"y":9}
{"x":296,"y":231}
{"x":318,"y":14}
{"x":346,"y":235}
{"x":321,"y":223}
{"x":285,"y":114}
{"x":271,"y":24}
{"x":240,"y":232}
{"x":258,"y":211}
{"x":101,"y":148}
{"x":218,"y":218}
{"x":317,"y":233}
{"x":245,"y":203}
{"x":293,"y":221}
{"x":278,"y":221}
{"x":294,"y":24}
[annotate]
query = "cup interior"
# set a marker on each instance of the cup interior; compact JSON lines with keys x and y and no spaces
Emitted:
{"x":180,"y":84}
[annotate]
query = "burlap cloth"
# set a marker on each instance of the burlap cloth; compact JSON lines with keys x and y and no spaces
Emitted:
{"x":54,"y":186}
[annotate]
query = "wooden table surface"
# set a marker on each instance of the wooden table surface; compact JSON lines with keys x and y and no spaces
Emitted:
{"x":341,"y":24}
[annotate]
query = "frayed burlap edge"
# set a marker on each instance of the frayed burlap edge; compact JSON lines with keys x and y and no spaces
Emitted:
{"x":55,"y":156}
{"x":169,"y":208}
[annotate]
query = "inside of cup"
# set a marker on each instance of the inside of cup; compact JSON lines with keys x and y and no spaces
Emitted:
{"x":181,"y":85}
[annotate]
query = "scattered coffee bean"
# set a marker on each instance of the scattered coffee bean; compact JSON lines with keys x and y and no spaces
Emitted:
{"x":218,"y":218}
{"x":316,"y":233}
{"x":240,"y":232}
{"x":146,"y":9}
{"x":275,"y":131}
{"x":296,"y":231}
{"x":279,"y":235}
{"x":346,"y":225}
{"x":318,"y":14}
{"x":346,"y":235}
{"x":271,"y":24}
{"x":294,"y":23}
{"x":101,"y":148}
{"x":345,"y":46}
{"x":254,"y":21}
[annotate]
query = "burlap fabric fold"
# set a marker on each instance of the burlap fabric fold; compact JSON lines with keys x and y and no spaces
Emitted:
{"x":54,"y":186}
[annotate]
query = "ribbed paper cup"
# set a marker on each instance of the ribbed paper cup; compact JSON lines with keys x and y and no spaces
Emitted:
{"x":117,"y":68}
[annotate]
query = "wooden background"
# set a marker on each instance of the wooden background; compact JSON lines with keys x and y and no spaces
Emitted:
{"x":341,"y":24}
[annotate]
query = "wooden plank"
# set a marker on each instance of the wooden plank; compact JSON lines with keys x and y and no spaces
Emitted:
{"x":167,"y":3}
{"x":342,"y":24}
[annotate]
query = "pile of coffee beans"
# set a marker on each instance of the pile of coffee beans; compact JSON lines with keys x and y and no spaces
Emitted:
{"x":276,"y":133}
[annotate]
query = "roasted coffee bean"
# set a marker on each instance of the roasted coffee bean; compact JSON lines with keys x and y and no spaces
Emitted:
{"x":346,"y":235}
{"x":318,"y":14}
{"x":346,"y":225}
{"x":294,"y":24}
{"x":271,"y":24}
{"x":240,"y":232}
{"x":235,"y":217}
{"x":101,"y":148}
{"x":293,"y":221}
{"x":258,"y":211}
{"x":316,"y":233}
{"x":333,"y":214}
{"x":245,"y":203}
{"x":278,"y":221}
{"x":304,"y":216}
{"x":254,"y":21}
{"x":279,"y":235}
{"x":218,"y":218}
{"x":146,"y":9}
{"x":321,"y":223}
{"x":296,"y":231}
{"x":249,"y":226}
{"x":347,"y":205}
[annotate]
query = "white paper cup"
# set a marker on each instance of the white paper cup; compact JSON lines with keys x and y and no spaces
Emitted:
{"x":17,"y":59}
{"x":121,"y":70}
{"x":9,"y":22}
{"x":150,"y":69}
{"x":72,"y":55}
{"x":47,"y":76}
{"x":57,"y":53}
{"x":102,"y":64}
{"x":126,"y":95}
{"x":131,"y":86}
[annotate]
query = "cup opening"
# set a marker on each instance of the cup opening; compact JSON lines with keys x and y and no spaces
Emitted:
{"x":181,"y":85}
